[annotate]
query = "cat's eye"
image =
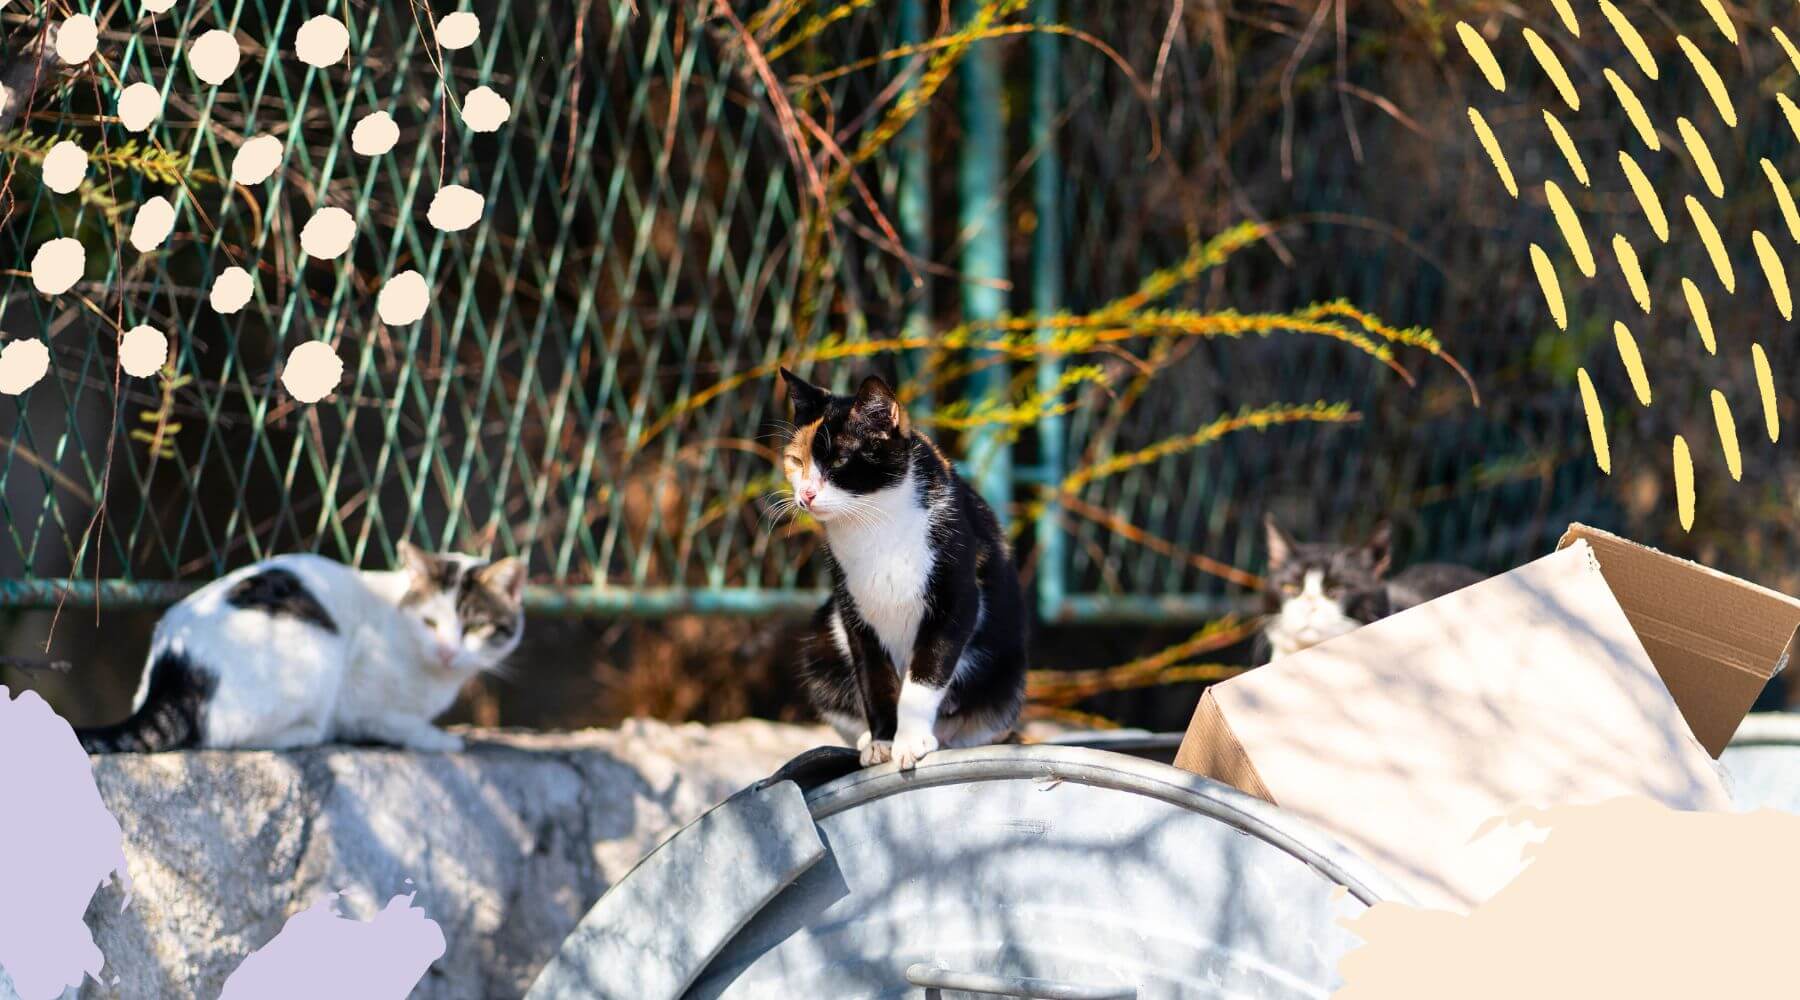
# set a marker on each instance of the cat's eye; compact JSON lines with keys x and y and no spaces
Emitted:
{"x":431,"y":623}
{"x":1290,"y":589}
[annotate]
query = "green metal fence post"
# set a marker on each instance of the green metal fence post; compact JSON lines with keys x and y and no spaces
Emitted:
{"x":981,"y":197}
{"x":1047,"y":300}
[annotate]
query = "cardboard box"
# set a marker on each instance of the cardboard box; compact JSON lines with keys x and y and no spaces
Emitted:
{"x":1601,"y":670}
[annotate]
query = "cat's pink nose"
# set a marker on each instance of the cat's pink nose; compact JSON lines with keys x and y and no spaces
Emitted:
{"x":808,"y":494}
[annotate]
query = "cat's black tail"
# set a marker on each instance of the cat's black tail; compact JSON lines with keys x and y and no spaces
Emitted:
{"x":169,"y":718}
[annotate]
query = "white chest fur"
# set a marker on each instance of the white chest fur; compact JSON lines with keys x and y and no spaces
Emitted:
{"x":886,"y":558}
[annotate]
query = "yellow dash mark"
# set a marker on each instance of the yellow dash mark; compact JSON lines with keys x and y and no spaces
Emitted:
{"x":1790,"y":112}
{"x":1789,"y":213}
{"x":1553,"y":68}
{"x":1703,"y":161}
{"x":1567,"y":145}
{"x":1777,"y":275}
{"x":1765,"y":385}
{"x":1715,"y":247}
{"x":1646,"y":196}
{"x":1715,"y":87}
{"x":1567,"y":13}
{"x":1492,"y":145}
{"x":1634,"y":363}
{"x":1546,"y":276}
{"x":1684,"y":484}
{"x":1787,"y":46}
{"x":1633,"y":109}
{"x":1634,"y":42}
{"x":1718,"y":15}
{"x":1570,"y":224}
{"x":1483,"y":56}
{"x":1697,"y":309}
{"x":1634,"y":275}
{"x":1590,"y":404}
{"x":1734,"y":460}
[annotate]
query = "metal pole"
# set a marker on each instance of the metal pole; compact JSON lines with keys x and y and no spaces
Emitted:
{"x":982,"y":223}
{"x":1047,"y":300}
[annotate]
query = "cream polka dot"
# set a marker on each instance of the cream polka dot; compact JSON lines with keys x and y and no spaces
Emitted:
{"x":155,"y":221}
{"x":76,"y":39}
{"x":231,"y":290}
{"x":158,"y":6}
{"x":22,"y":364}
{"x":375,"y":134}
{"x":312,"y":371}
{"x":139,"y":105}
{"x":214,"y":56}
{"x":403,"y":299}
{"x":458,"y":30}
{"x":142,"y":351}
{"x":322,"y":41}
{"x":65,"y":166}
{"x":256,"y":159}
{"x":328,"y":233}
{"x":57,"y":265}
{"x":455,"y":208}
{"x":485,"y":110}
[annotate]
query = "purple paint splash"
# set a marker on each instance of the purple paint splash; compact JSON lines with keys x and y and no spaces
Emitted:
{"x":320,"y":953}
{"x":58,"y":844}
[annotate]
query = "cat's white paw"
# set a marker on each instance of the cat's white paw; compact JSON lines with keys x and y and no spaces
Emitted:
{"x":875,"y":752}
{"x":435,"y":741}
{"x":863,"y":741}
{"x":909,"y":748}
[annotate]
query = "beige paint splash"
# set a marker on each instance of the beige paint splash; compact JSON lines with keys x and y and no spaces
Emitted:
{"x":1715,"y":247}
{"x":1772,"y":269}
{"x":1634,"y":109}
{"x":1715,"y":87}
{"x":1596,"y":420}
{"x":1553,"y":68}
{"x":459,"y":29}
{"x":455,"y":208}
{"x":1634,"y":275}
{"x":157,"y":6}
{"x":1786,"y":46}
{"x":1494,"y":152}
{"x":1734,"y":460}
{"x":1634,"y":42}
{"x":154,"y":222}
{"x":1765,"y":388}
{"x":1570,"y":224}
{"x":1567,"y":145}
{"x":1784,"y":198}
{"x":231,"y":290}
{"x":1697,"y":309}
{"x":1703,"y":160}
{"x":328,"y":233}
{"x":1790,"y":112}
{"x":139,"y":106}
{"x":256,"y":159}
{"x":313,"y":371}
{"x":403,"y":298}
{"x":322,"y":41}
{"x":65,"y":166}
{"x":214,"y":56}
{"x":22,"y":364}
{"x":1546,"y":276}
{"x":1634,"y":362}
{"x":76,"y":39}
{"x":143,"y":351}
{"x":1717,"y":11}
{"x":1684,"y":483}
{"x":1625,"y":898}
{"x":57,"y":265}
{"x":1646,"y":196}
{"x":484,"y":110}
{"x":374,"y":134}
{"x":1567,"y":13}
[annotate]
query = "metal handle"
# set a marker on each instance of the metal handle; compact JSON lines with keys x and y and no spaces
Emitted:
{"x":937,"y":977}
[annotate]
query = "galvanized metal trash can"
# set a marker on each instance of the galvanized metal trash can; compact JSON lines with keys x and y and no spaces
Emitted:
{"x":1047,"y":871}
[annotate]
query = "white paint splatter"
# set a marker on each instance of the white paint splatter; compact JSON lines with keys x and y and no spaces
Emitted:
{"x":320,"y":953}
{"x":22,"y":364}
{"x":403,"y":298}
{"x":231,"y":290}
{"x":57,"y":265}
{"x":76,"y":39}
{"x":375,"y":134}
{"x":139,"y":105}
{"x":328,"y":233}
{"x":142,"y":351}
{"x":65,"y":166}
{"x":455,"y":208}
{"x":154,"y":222}
{"x":256,"y":159}
{"x":214,"y":56}
{"x":322,"y":41}
{"x":485,"y":110}
{"x":313,"y":371}
{"x":458,"y":30}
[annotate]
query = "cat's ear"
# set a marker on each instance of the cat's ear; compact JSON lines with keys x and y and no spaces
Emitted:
{"x":504,"y":576}
{"x":1281,"y":547}
{"x":878,"y":409}
{"x":415,"y":560}
{"x":1380,"y":547}
{"x":809,"y":400}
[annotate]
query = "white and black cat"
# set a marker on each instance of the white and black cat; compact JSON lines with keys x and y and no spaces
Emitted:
{"x":1318,"y":591}
{"x":300,"y":650}
{"x":922,"y":644}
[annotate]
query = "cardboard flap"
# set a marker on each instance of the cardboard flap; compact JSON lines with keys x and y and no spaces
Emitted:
{"x":1210,"y":748}
{"x":1714,"y":639}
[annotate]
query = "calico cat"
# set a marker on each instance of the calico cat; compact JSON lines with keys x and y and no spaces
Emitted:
{"x":1318,"y":591}
{"x":300,"y":650}
{"x":922,"y":643}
